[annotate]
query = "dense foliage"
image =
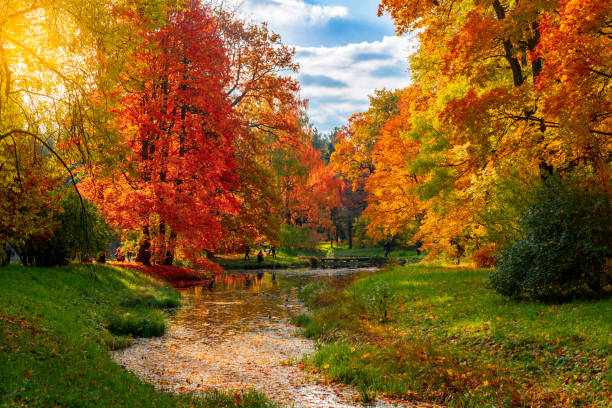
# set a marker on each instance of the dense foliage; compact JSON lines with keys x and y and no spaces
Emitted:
{"x":78,"y":232}
{"x":565,"y":245}
{"x":504,"y":95}
{"x":177,"y":118}
{"x":297,"y":237}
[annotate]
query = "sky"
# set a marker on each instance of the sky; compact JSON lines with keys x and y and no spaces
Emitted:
{"x":344,"y":50}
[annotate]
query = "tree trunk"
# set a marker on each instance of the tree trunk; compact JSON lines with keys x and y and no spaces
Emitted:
{"x":350,"y":233}
{"x":144,"y":247}
{"x":170,"y":249}
{"x":159,"y":245}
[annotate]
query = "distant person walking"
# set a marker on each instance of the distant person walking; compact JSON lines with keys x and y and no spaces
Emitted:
{"x":387,"y":248}
{"x":273,"y":251}
{"x":418,"y":244}
{"x":260,"y":256}
{"x":247,"y":252}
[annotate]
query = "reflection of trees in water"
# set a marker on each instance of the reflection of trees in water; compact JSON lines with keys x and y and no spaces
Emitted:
{"x":245,"y":302}
{"x":258,"y":282}
{"x":254,"y":282}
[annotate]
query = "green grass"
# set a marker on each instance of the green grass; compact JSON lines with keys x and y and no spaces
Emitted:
{"x":376,"y":251}
{"x":138,"y":323}
{"x":284,"y":259}
{"x":452,"y":340}
{"x":287,"y":259}
{"x":163,"y":298}
{"x":54,"y":338}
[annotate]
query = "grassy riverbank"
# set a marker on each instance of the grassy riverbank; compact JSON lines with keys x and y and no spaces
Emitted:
{"x":449,"y":339}
{"x":56,"y":325}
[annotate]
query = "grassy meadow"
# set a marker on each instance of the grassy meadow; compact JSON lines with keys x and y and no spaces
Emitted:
{"x":439,"y":334}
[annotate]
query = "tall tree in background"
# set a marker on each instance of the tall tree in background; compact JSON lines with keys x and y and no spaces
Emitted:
{"x":393,"y":207}
{"x":273,"y":152}
{"x":353,"y":155}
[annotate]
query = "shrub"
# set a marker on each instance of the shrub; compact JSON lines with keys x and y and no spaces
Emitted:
{"x":360,"y":234}
{"x":80,"y":233}
{"x":486,"y":257}
{"x":292,"y":238}
{"x":565,"y":245}
{"x":5,"y":255}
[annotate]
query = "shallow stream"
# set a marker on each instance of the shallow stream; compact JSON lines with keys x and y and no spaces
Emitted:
{"x":236,"y":335}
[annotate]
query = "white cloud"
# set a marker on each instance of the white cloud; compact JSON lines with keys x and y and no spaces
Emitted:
{"x":364,"y":67}
{"x":292,"y":12}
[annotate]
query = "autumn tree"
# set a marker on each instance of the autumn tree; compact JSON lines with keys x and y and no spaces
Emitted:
{"x":51,"y":120}
{"x":393,"y":206}
{"x":515,"y":91}
{"x":353,"y":154}
{"x":275,"y":162}
{"x":178,"y":127}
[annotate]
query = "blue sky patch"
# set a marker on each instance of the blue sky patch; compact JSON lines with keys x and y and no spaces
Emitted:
{"x":344,"y":50}
{"x":321,"y":80}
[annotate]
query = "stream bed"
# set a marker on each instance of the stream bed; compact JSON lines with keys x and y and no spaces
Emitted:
{"x":236,"y":335}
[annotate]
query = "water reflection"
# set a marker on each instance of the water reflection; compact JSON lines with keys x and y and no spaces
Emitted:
{"x":239,"y":303}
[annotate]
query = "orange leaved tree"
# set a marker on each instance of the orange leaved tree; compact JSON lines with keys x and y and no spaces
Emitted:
{"x":177,"y":128}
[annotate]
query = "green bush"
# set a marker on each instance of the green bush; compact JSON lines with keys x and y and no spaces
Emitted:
{"x":80,"y":233}
{"x":5,"y":255}
{"x":292,"y":238}
{"x":138,"y":324}
{"x":565,"y":245}
{"x":360,"y":234}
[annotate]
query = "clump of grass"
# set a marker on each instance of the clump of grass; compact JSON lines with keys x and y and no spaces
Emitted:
{"x":309,"y":326}
{"x":381,"y":301}
{"x":113,"y":342}
{"x":308,"y":291}
{"x":218,"y":399}
{"x":165,"y":300}
{"x":301,"y":319}
{"x":138,"y":323}
{"x":366,"y":396}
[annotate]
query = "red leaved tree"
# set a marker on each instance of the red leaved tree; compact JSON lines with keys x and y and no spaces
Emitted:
{"x":177,"y":126}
